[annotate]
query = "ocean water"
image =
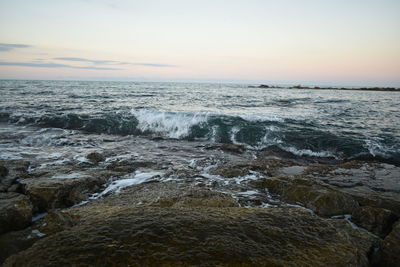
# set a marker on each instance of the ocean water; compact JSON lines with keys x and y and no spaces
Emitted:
{"x":320,"y":123}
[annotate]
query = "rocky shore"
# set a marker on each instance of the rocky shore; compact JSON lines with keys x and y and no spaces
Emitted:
{"x":124,"y":201}
{"x":328,"y":88}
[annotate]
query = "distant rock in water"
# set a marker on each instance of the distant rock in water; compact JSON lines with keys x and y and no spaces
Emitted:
{"x":328,"y":88}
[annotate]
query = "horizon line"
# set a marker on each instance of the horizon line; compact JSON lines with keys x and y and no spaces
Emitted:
{"x":133,"y":80}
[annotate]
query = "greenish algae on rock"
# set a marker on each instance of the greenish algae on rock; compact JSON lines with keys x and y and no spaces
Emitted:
{"x":15,"y":212}
{"x":390,"y":251}
{"x":194,"y":227}
{"x":312,"y":194}
{"x":376,"y":220}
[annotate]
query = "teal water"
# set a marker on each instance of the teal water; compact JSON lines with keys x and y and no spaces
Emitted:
{"x":321,"y":123}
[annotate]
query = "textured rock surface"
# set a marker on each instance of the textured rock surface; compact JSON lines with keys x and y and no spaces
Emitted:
{"x":15,"y":212}
{"x":376,"y":220}
{"x":10,"y":172}
{"x":191,"y":226}
{"x":16,"y":241}
{"x":177,"y":237}
{"x":49,"y":193}
{"x":390,"y":255}
{"x":3,"y":171}
{"x":95,"y":157}
{"x":315,"y":195}
{"x":230,"y":172}
{"x":371,"y":184}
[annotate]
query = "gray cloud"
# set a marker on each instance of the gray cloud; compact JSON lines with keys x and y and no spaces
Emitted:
{"x":51,"y":65}
{"x":96,"y":62}
{"x":112,"y":62}
{"x":153,"y":65}
{"x":7,"y":47}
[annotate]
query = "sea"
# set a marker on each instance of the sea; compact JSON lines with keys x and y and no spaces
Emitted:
{"x":334,"y":124}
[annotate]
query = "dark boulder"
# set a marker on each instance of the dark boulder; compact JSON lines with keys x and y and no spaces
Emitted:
{"x":15,"y":212}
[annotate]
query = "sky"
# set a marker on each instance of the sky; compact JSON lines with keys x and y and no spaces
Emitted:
{"x":341,"y":42}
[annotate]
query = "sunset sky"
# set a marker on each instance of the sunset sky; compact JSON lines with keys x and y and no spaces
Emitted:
{"x":341,"y":42}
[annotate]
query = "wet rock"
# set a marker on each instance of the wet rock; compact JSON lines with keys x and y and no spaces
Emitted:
{"x":15,"y":167}
{"x":291,"y":171}
{"x":312,"y":194}
{"x":15,"y":212}
{"x":231,"y":172}
{"x":128,"y":166}
{"x":199,"y":198}
{"x":269,"y":166}
{"x":202,"y":236}
{"x":50,"y":193}
{"x":16,"y":187}
{"x":368,"y":197}
{"x":95,"y":157}
{"x":3,"y":188}
{"x":376,"y":220}
{"x":121,"y":166}
{"x":10,"y":172}
{"x":390,"y":250}
{"x":3,"y":171}
{"x":233,"y":148}
{"x":16,"y":241}
{"x":56,"y":221}
{"x":370,"y":183}
{"x":168,"y":195}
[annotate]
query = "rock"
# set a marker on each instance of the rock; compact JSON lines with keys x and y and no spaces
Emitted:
{"x":16,"y":187}
{"x":50,"y":193}
{"x":312,"y":194}
{"x":3,"y":171}
{"x":269,"y":166}
{"x":10,"y":172}
{"x":127,"y":166}
{"x":95,"y":157}
{"x":121,"y":168}
{"x":376,"y":220}
{"x":157,"y":236}
{"x":390,"y":250}
{"x":368,"y":197}
{"x":168,"y":195}
{"x":370,"y":183}
{"x":15,"y":167}
{"x":231,"y":172}
{"x":56,"y":221}
{"x":14,"y":242}
{"x":233,"y":148}
{"x":3,"y":188}
{"x":15,"y":212}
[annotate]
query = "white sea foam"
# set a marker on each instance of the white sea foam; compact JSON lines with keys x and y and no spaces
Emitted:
{"x":37,"y":233}
{"x":261,"y":118}
{"x":248,"y":193}
{"x":52,"y":163}
{"x":128,"y":180}
{"x":308,"y":152}
{"x":376,"y":147}
{"x":39,"y":216}
{"x":9,"y":156}
{"x":46,"y":137}
{"x":73,"y":175}
{"x":81,"y":159}
{"x":173,"y":125}
{"x":122,"y":157}
{"x":347,"y":217}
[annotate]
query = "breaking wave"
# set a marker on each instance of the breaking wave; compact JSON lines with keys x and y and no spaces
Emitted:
{"x":298,"y":137}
